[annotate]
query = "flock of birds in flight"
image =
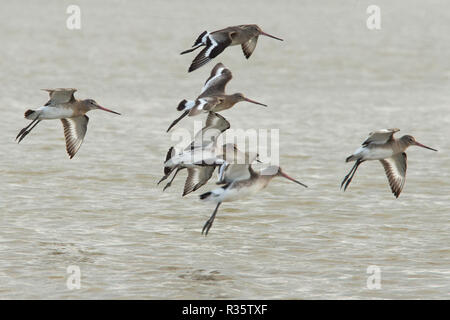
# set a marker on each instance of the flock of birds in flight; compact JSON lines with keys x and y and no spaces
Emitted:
{"x":202,"y":156}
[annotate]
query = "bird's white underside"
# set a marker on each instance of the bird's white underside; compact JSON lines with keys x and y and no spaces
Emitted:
{"x":231,"y":193}
{"x":365,"y":153}
{"x":54,"y":112}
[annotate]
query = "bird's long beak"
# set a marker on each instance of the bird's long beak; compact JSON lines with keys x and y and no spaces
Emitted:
{"x":255,"y":102}
{"x":423,"y":146}
{"x":292,"y":179}
{"x":105,"y":109}
{"x":270,"y":36}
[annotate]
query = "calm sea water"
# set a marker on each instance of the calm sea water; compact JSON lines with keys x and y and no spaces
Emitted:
{"x":329,"y":84}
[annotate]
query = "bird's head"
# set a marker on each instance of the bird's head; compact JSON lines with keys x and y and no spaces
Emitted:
{"x":411,"y":141}
{"x":256,"y":29}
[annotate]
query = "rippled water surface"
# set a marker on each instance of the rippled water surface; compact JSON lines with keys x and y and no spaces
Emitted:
{"x":329,"y":84}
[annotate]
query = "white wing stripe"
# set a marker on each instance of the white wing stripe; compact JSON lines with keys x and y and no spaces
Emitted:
{"x":204,"y":38}
{"x":213,"y":45}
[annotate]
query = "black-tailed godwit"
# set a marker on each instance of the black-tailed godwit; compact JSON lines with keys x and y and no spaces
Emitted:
{"x":215,"y":42}
{"x":381,"y":145}
{"x":242,"y":188}
{"x":212,"y":97}
{"x":72,"y":112}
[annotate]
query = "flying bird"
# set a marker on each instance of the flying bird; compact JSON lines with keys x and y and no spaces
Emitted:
{"x":215,"y":42}
{"x":238,"y":189}
{"x":236,"y":167}
{"x":212,"y":97}
{"x":72,"y":112}
{"x":200,"y":157}
{"x":381,"y":145}
{"x":229,"y":158}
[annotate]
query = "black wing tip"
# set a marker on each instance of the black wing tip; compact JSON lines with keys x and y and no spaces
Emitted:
{"x":200,"y":60}
{"x":205,"y":195}
{"x":193,"y":67}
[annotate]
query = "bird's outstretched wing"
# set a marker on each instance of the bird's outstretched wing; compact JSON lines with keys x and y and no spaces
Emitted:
{"x":215,"y":125}
{"x":74,"y":132}
{"x":395,"y":168}
{"x":217,"y":121}
{"x":249,"y":46}
{"x":197,"y":177}
{"x":215,"y":44}
{"x":380,"y":136}
{"x":238,"y":163}
{"x":60,"y":95}
{"x":220,"y":76}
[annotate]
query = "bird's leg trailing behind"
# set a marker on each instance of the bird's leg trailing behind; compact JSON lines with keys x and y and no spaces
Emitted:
{"x":192,"y":49}
{"x":201,"y":40}
{"x":210,"y":221}
{"x":173,"y":177}
{"x":165,"y":176}
{"x":178,"y":120}
{"x":167,"y":170}
{"x":185,"y":106}
{"x":23,"y":133}
{"x":348,"y":178}
{"x":24,"y":129}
